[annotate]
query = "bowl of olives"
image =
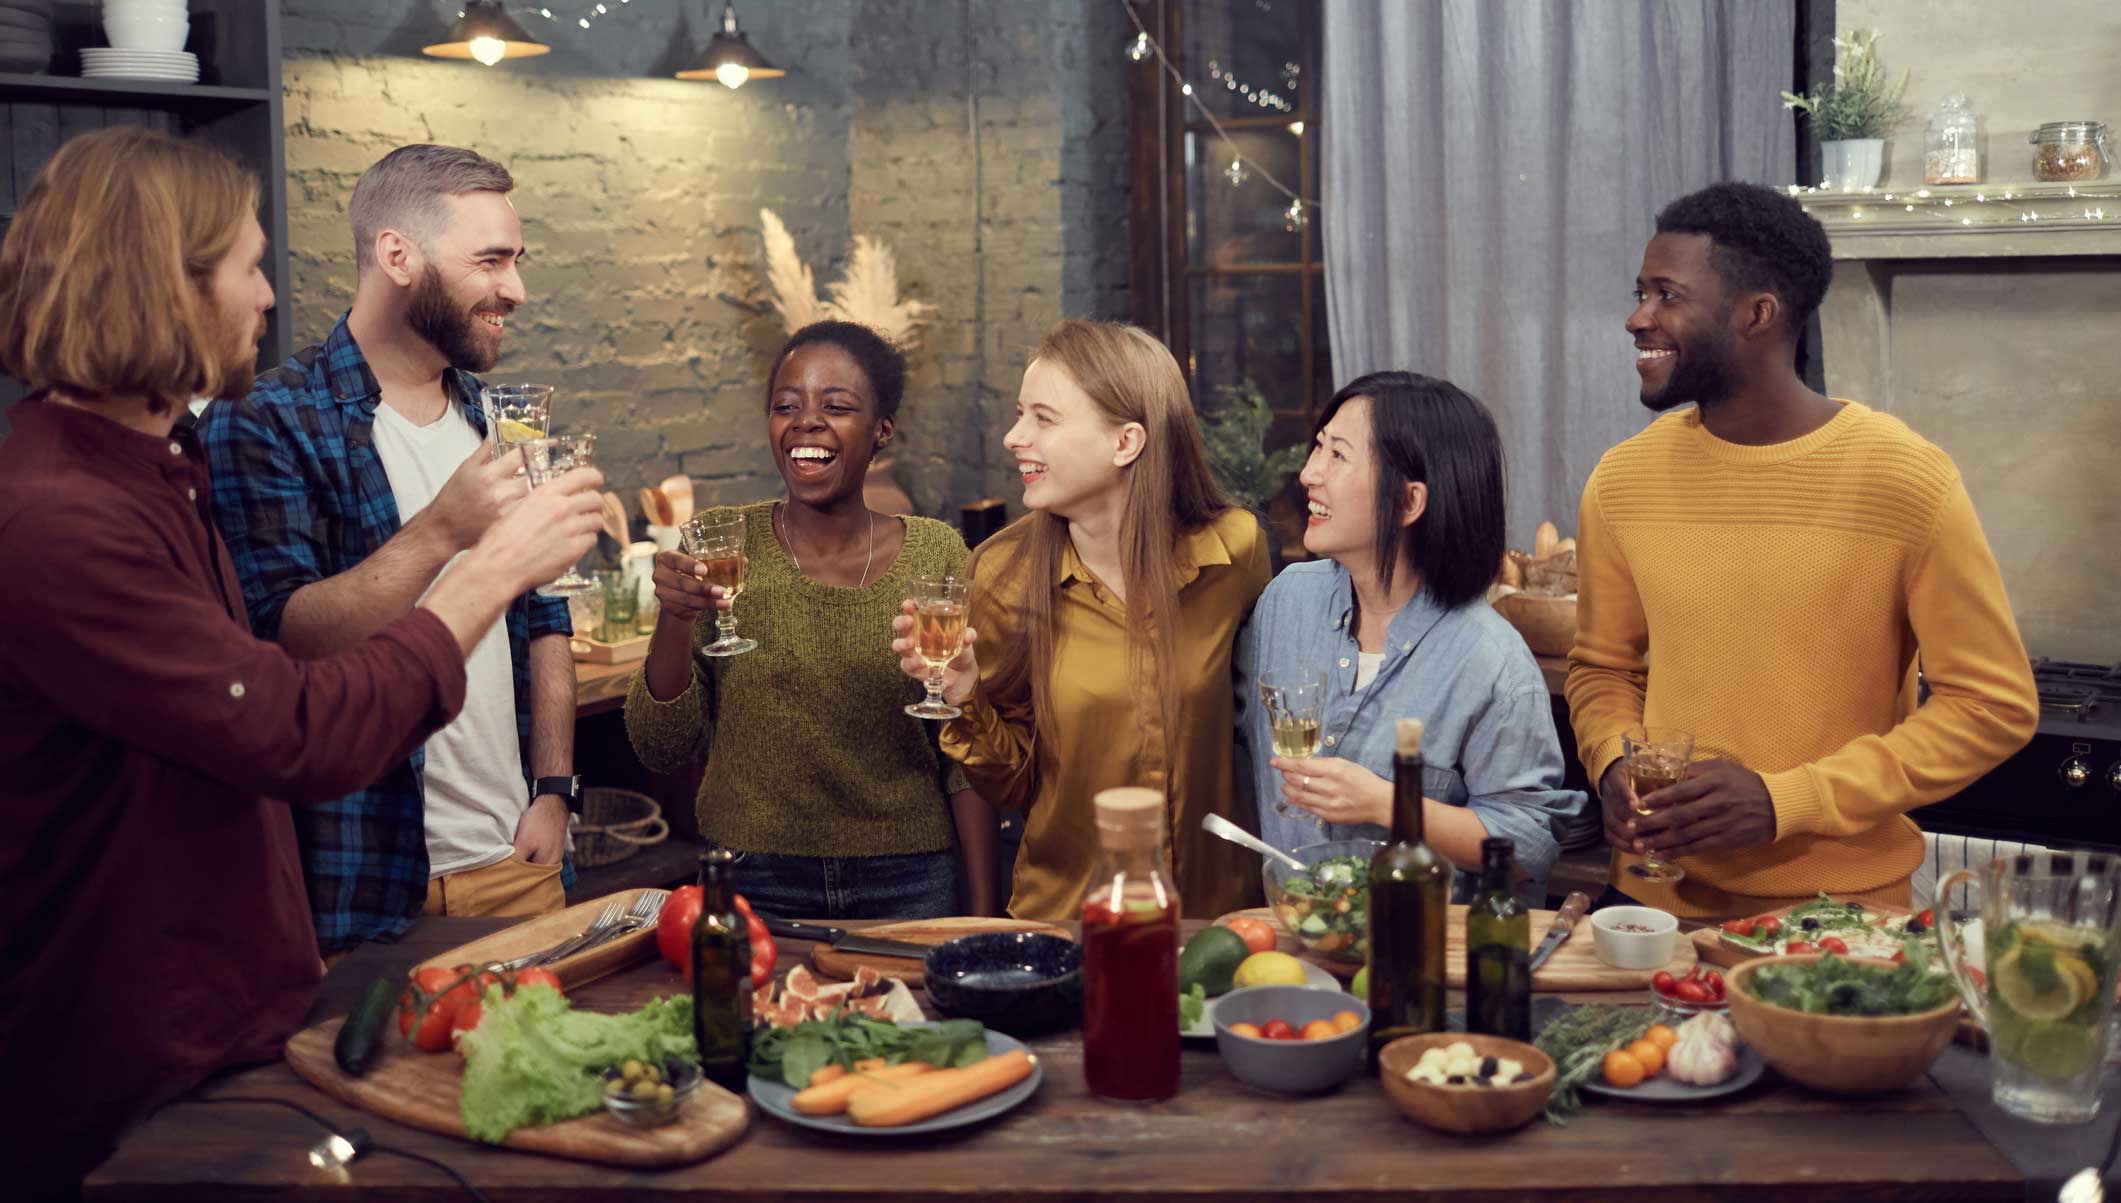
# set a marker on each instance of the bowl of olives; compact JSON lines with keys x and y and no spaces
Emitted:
{"x":647,"y":1094}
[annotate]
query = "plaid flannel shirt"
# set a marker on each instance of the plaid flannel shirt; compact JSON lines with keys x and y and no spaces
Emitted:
{"x":300,"y":495}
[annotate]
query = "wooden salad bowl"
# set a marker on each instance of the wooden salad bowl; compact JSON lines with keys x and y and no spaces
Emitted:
{"x":1839,"y":1054}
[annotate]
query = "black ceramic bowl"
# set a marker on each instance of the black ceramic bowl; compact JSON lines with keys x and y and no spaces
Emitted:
{"x":1022,"y":983}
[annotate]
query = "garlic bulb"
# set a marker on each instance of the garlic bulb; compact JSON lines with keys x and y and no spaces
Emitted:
{"x":1700,"y":1059}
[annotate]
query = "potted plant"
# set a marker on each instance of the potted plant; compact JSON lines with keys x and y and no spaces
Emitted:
{"x":1852,"y":115}
{"x":1235,"y":436}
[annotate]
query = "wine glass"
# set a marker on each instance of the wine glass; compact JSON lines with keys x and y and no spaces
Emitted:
{"x":544,"y":459}
{"x":516,"y":413}
{"x":1656,"y":757}
{"x":1296,"y":707}
{"x":939,"y":634}
{"x":716,"y":540}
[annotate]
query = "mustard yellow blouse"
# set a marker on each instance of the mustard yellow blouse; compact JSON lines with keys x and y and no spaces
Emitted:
{"x":1109,"y":732}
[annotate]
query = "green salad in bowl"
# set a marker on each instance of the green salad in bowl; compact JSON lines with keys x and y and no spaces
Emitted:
{"x":1328,"y":904}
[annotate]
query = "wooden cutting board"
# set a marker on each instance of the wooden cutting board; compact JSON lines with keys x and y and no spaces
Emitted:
{"x":1710,"y":946}
{"x":420,"y":1090}
{"x":548,"y":930}
{"x":1572,"y":967}
{"x":840,"y":966}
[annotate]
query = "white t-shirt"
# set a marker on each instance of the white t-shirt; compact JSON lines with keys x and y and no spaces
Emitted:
{"x":474,"y":777}
{"x":1367,"y":664}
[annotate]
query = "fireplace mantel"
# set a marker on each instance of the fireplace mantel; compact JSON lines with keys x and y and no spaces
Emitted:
{"x":1971,"y":220}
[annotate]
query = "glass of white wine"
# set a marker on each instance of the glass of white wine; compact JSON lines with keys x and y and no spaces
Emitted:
{"x":544,"y":459}
{"x":939,"y":634}
{"x":517,"y":413}
{"x":1657,"y":757}
{"x":1296,"y":709}
{"x":716,"y":539}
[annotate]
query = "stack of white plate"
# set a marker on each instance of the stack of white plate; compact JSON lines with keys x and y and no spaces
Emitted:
{"x":172,"y":66}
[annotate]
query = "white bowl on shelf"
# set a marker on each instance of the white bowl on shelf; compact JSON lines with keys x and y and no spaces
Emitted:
{"x":145,"y":32}
{"x":146,"y":8}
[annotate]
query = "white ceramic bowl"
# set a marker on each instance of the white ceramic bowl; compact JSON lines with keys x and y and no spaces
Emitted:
{"x":1650,"y":949}
{"x":146,"y":8}
{"x":130,"y":32}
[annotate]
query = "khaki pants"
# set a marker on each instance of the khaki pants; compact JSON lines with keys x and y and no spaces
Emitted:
{"x":512,"y":887}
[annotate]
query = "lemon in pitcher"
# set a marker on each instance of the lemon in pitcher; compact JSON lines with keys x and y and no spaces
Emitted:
{"x":2045,"y":981}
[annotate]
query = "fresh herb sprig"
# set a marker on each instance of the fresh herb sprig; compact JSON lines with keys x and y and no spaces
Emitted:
{"x":793,"y":1054}
{"x":1578,"y":1041}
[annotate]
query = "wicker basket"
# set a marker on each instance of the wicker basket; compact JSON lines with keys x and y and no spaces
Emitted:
{"x":616,"y":823}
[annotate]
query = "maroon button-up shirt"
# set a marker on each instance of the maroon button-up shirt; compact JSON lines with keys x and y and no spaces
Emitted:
{"x":153,"y":924}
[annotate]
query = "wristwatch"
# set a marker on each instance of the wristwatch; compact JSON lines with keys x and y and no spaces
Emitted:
{"x":569,"y":788}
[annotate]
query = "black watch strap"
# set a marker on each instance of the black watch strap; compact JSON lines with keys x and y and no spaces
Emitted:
{"x":569,"y":788}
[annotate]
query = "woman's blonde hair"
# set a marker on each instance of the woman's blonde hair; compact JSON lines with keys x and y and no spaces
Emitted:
{"x":106,"y":273}
{"x":1130,"y":377}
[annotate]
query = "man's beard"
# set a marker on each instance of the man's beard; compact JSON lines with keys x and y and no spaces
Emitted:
{"x":1702,"y":372}
{"x":239,"y":359}
{"x":435,"y":316}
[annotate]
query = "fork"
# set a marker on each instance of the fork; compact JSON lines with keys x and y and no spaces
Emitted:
{"x":605,"y":918}
{"x":647,"y":908}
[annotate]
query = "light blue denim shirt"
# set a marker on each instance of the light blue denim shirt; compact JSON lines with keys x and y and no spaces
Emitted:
{"x":1487,"y":721}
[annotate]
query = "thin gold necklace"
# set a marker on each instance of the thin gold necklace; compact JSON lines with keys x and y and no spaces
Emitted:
{"x":788,"y":541}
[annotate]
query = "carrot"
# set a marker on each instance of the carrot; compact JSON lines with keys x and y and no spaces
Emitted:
{"x":832,"y":1097}
{"x":826,"y":1073}
{"x":932,"y":1094}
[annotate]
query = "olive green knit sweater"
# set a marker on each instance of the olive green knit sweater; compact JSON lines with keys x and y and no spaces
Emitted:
{"x":809,"y":749}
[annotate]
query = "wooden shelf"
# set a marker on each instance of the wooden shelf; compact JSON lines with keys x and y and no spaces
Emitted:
{"x":152,"y":92}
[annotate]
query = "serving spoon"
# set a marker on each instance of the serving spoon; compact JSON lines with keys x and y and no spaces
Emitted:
{"x":1215,"y":824}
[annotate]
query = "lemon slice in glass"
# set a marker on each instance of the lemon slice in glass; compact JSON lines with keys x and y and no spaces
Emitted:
{"x":513,"y":431}
{"x":2060,"y":1050}
{"x":2039,"y":985}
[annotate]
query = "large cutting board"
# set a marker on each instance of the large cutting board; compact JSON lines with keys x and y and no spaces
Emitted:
{"x":420,"y":1090}
{"x":1572,"y":967}
{"x":547,"y":931}
{"x":828,"y":962}
{"x":1710,"y":946}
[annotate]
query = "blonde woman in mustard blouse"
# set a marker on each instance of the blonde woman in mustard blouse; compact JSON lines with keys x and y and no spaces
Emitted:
{"x":1070,"y":684}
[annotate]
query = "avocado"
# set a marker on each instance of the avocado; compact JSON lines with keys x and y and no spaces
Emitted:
{"x":1209,"y":959}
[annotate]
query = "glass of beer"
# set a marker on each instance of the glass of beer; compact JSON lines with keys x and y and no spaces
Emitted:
{"x":716,"y":539}
{"x":544,"y":459}
{"x":939,"y":634}
{"x":1656,"y":757}
{"x":516,"y":413}
{"x":1296,"y":711}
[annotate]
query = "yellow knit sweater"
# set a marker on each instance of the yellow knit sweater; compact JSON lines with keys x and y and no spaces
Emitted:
{"x":1773,"y":601}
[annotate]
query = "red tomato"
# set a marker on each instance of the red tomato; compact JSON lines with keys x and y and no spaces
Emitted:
{"x":1714,"y":981}
{"x":1258,"y":934}
{"x":430,"y":1003}
{"x":1276,"y":1029}
{"x":537,"y":977}
{"x":1692,"y":991}
{"x":673,"y":931}
{"x":1834,"y":944}
{"x":1928,"y":918}
{"x":1767,"y":925}
{"x":1694,"y":974}
{"x":1799,"y":946}
{"x":1899,"y":958}
{"x":467,"y":1018}
{"x":1738,"y":927}
{"x":1663,"y":983}
{"x":1980,"y":979}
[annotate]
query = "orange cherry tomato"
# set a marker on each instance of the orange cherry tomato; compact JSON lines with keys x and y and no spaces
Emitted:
{"x":1346,"y":1021}
{"x":1622,"y":1070}
{"x":1661,"y":1036}
{"x":1258,"y":934}
{"x":1651,"y":1057}
{"x":1245,"y":1029}
{"x":1320,"y":1029}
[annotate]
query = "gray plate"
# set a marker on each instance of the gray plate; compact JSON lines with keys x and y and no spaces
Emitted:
{"x":1662,"y":1089}
{"x":773,"y":1097}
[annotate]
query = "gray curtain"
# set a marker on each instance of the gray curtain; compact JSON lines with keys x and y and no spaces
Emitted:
{"x":1492,"y":169}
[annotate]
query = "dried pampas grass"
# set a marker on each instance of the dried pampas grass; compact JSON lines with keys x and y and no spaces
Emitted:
{"x":868,"y":294}
{"x":794,"y":290}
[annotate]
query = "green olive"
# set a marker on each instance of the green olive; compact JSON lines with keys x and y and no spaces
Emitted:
{"x":663,"y":1093}
{"x":631,"y":1071}
{"x":644,"y":1090}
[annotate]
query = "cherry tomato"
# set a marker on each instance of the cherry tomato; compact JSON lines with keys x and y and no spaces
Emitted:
{"x":1245,"y":1029}
{"x":1648,"y":1055}
{"x":1928,"y":918}
{"x":1622,"y":1070}
{"x":535,"y":976}
{"x":1320,"y":1029}
{"x":1980,"y":978}
{"x":466,"y":1018}
{"x":1663,"y":982}
{"x":1899,"y":958}
{"x":1346,"y":1021}
{"x":1714,"y":981}
{"x":1798,"y":947}
{"x":1693,"y":992}
{"x":1739,"y":927}
{"x":1275,"y":1029}
{"x":1767,"y":925}
{"x":1834,"y":944}
{"x":1258,"y":934}
{"x":1694,"y":974}
{"x":1661,"y":1036}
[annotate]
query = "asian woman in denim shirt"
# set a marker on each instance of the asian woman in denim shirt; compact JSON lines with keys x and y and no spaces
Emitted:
{"x":1405,"y":493}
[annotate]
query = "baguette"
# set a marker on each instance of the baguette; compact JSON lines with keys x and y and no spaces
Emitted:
{"x":1544,"y":539}
{"x":930,"y":1095}
{"x":834,"y":1096}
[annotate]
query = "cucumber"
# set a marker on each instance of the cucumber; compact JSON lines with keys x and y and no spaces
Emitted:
{"x":361,"y":1037}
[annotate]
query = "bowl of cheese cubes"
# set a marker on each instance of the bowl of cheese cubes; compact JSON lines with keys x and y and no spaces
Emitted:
{"x":1465,"y":1082}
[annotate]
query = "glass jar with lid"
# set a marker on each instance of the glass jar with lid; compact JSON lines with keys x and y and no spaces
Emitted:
{"x":1949,"y":147}
{"x":2069,"y":152}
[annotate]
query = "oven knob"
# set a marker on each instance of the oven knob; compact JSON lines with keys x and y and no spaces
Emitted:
{"x":2075,"y":772}
{"x":2113,"y":777}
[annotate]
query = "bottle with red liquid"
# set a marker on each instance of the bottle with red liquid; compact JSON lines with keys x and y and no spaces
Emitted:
{"x":1130,"y":954}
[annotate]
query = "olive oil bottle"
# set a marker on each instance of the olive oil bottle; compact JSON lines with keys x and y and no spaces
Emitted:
{"x":721,"y":978}
{"x":1498,"y":950}
{"x":1410,"y":897}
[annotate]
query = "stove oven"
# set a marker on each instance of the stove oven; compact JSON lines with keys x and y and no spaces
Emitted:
{"x":2062,"y":790}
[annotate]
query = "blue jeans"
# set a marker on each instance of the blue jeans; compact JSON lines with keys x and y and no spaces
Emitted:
{"x":921,"y":885}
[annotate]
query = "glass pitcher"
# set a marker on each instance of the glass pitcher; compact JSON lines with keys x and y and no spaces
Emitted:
{"x":2050,"y":931}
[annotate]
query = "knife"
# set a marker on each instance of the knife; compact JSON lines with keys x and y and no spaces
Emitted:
{"x":842,"y":940}
{"x":1572,"y":909}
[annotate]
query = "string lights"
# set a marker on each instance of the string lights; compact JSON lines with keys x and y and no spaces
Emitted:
{"x":2036,"y":205}
{"x":588,"y":17}
{"x":1242,"y":167}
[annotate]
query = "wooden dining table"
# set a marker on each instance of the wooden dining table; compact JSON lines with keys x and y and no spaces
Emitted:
{"x":1217,"y":1139}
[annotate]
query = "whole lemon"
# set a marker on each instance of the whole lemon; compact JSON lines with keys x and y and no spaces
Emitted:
{"x":1269,"y":969}
{"x":1360,"y":987}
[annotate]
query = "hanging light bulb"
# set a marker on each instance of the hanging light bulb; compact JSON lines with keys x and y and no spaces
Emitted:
{"x":1294,"y":218}
{"x":729,"y":57}
{"x":1138,"y":49}
{"x":486,"y":34}
{"x":488,"y":51}
{"x":1235,"y":173}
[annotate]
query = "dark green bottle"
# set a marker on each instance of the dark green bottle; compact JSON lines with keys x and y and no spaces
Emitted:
{"x":721,"y":977}
{"x":1498,"y":950}
{"x":1410,"y":899}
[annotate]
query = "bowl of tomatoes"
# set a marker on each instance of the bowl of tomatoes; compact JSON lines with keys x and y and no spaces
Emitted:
{"x":1683,"y":996}
{"x":1291,"y":1039}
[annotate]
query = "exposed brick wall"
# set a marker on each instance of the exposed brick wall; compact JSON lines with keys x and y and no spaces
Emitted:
{"x":640,"y":198}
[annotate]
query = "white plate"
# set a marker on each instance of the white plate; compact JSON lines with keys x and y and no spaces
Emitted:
{"x":122,"y":74}
{"x":1314,"y":975}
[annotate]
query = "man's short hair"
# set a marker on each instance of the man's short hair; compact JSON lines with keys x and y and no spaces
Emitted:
{"x":106,"y":274}
{"x":407,"y":190}
{"x":1761,"y":240}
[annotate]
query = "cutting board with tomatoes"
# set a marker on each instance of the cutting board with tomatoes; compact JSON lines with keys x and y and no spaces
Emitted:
{"x":1710,"y":945}
{"x":547,"y":931}
{"x":420,"y":1090}
{"x":827,"y":961}
{"x":1574,"y":966}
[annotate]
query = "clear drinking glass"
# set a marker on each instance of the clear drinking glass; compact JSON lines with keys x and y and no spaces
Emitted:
{"x":717,"y":541}
{"x":1656,"y":757}
{"x":2051,"y":929}
{"x":939,"y":633}
{"x":544,"y":459}
{"x":517,"y":413}
{"x":1296,"y":710}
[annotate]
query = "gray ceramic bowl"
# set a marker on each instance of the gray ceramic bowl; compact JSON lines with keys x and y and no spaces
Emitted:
{"x":1290,"y":1066}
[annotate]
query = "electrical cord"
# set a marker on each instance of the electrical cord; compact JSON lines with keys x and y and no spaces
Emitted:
{"x":333,"y":1129}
